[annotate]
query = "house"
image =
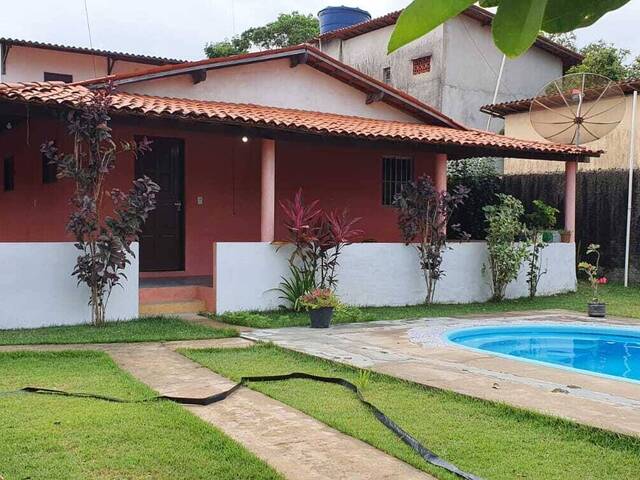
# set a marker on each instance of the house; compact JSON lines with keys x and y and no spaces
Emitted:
{"x":615,"y":144}
{"x":31,"y":61}
{"x":454,"y":68}
{"x":231,"y":138}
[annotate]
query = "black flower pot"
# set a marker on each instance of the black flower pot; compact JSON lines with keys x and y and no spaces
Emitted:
{"x":597,"y":310}
{"x":321,"y":317}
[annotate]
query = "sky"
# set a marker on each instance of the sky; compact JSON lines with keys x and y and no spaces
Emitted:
{"x":181,"y":28}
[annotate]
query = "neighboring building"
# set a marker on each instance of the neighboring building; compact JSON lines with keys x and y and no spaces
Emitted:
{"x":615,"y":145}
{"x":453,"y":68}
{"x":29,"y":61}
{"x":232,"y":137}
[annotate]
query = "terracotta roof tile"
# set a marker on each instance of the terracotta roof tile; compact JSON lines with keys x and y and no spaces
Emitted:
{"x":60,"y":94}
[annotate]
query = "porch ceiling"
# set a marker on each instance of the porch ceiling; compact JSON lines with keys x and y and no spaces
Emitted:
{"x":455,"y":143}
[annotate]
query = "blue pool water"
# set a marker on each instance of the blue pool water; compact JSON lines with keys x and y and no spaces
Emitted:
{"x":605,"y":351}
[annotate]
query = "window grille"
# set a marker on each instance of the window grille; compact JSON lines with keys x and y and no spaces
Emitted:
{"x":396,"y":172}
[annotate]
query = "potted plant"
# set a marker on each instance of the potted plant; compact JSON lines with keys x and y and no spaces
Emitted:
{"x":320,"y":304}
{"x":597,"y":308}
{"x":565,"y":236}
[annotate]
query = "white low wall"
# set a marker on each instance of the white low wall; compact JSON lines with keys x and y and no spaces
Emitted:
{"x":37,"y":289}
{"x":379,"y":274}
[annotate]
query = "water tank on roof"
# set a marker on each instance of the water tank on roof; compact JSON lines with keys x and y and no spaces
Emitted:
{"x":334,"y":18}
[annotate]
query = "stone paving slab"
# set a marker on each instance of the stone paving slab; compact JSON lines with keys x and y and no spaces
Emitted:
{"x":414,"y":350}
{"x":298,"y":446}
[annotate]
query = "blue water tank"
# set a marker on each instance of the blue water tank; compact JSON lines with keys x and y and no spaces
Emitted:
{"x":334,"y":18}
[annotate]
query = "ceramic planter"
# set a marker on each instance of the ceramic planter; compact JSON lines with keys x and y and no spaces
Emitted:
{"x":597,"y":310}
{"x":321,"y":317}
{"x":565,"y":237}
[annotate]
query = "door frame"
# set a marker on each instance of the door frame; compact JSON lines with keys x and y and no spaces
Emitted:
{"x":182,"y":181}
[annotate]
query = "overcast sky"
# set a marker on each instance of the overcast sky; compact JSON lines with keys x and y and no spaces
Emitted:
{"x":180,"y":28}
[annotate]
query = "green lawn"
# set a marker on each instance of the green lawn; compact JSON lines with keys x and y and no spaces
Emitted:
{"x":491,"y":440}
{"x":621,"y":301}
{"x":152,"y":329}
{"x":44,"y":437}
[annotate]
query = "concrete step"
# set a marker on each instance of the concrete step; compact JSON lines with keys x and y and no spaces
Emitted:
{"x":170,"y":307}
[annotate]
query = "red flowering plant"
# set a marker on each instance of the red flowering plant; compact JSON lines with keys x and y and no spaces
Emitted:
{"x":592,"y":271}
{"x":319,"y":298}
{"x":318,"y":238}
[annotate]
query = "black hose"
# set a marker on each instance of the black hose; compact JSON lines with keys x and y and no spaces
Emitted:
{"x":420,"y":449}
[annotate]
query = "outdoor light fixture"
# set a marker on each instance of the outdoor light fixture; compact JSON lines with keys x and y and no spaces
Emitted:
{"x":245,"y":139}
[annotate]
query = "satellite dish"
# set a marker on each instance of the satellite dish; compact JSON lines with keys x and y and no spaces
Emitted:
{"x":578,"y":108}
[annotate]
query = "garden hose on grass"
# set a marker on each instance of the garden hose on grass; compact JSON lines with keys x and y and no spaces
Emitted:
{"x":421,"y":450}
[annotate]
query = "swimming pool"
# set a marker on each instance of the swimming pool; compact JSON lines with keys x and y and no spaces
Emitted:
{"x":612,"y":352}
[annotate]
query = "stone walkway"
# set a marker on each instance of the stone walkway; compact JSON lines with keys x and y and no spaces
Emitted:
{"x":413,"y":350}
{"x":298,"y":446}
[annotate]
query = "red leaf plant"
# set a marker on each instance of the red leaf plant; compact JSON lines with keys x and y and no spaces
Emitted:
{"x":319,"y":238}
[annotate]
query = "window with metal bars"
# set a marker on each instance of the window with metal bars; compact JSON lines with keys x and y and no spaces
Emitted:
{"x":49,"y":170}
{"x":396,"y":172}
{"x":386,"y":74}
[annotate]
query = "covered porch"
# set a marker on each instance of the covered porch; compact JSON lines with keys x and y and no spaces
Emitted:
{"x":224,"y":168}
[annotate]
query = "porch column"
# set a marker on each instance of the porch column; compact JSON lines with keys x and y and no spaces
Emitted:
{"x":268,"y":191}
{"x":440,"y":173}
{"x":570,"y":171}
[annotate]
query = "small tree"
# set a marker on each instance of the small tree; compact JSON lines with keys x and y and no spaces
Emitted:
{"x":506,"y":254}
{"x":542,"y":218}
{"x":423,"y":217}
{"x":104,"y":241}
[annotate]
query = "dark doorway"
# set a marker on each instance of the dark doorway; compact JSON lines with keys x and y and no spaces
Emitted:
{"x":162,"y":240}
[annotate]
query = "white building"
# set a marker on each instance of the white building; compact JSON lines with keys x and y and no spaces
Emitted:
{"x":454,"y":68}
{"x":30,"y":61}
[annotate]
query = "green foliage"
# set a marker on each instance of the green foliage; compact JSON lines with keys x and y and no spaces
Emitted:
{"x":516,"y":25}
{"x":299,"y":282}
{"x":341,"y":314}
{"x":289,"y":29}
{"x":592,"y":270}
{"x":606,"y":59}
{"x":541,"y":218}
{"x":566,"y":39}
{"x":506,"y":254}
{"x":319,"y":298}
{"x":479,"y":176}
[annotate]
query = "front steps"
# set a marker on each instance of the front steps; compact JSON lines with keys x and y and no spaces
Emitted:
{"x":157,"y":299}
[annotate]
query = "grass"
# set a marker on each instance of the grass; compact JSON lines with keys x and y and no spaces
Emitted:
{"x":152,"y":329}
{"x":621,"y":302}
{"x":71,"y":438}
{"x":492,"y":440}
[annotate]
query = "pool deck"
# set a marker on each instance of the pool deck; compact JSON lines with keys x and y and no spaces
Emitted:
{"x":414,"y":350}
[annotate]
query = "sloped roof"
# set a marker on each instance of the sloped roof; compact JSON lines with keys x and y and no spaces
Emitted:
{"x":568,"y":56}
{"x":291,"y":120}
{"x":524,"y":105}
{"x":128,"y":57}
{"x":306,"y":54}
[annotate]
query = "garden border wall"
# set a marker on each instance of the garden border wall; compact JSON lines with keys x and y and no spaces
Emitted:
{"x":377,"y":274}
{"x":37,"y":289}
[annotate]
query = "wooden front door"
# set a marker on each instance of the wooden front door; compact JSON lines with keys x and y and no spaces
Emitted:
{"x":162,"y":240}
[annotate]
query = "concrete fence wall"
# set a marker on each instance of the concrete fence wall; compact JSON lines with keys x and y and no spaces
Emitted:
{"x":37,"y":289}
{"x":378,"y":274}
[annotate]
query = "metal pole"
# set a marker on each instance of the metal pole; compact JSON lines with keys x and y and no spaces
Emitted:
{"x":632,"y":159}
{"x":497,"y":90}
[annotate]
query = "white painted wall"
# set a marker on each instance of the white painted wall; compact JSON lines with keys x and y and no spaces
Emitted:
{"x":273,"y":83}
{"x":37,"y":289}
{"x":379,"y":274}
{"x":26,"y":64}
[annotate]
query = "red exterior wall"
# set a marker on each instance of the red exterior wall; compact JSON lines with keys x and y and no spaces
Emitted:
{"x":221,"y":169}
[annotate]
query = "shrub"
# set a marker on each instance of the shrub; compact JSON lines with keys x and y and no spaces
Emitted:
{"x":318,"y":238}
{"x":104,"y":243}
{"x":506,"y":254}
{"x":541,"y":218}
{"x":592,"y":271}
{"x":423,"y":216}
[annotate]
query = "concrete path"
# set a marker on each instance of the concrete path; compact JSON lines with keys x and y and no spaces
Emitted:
{"x":298,"y":446}
{"x":414,"y":350}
